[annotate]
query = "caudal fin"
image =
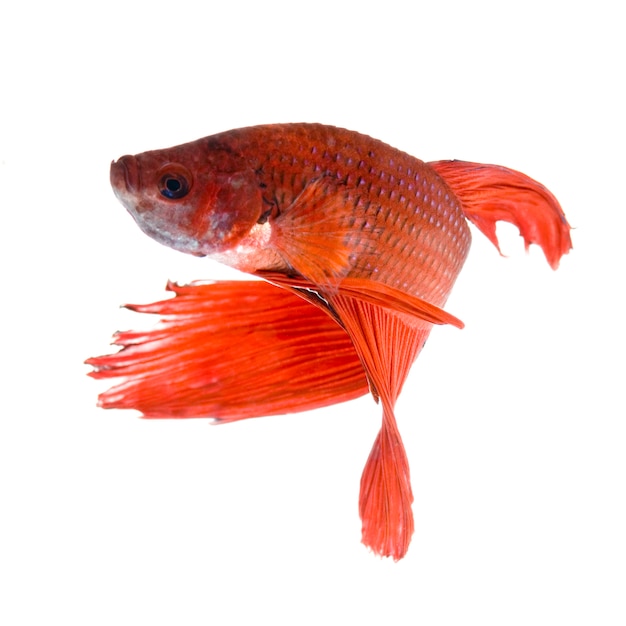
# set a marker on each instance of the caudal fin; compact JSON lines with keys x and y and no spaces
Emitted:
{"x":490,"y":193}
{"x":231,"y":350}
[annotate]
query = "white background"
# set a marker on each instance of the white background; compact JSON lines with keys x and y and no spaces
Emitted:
{"x":514,"y":426}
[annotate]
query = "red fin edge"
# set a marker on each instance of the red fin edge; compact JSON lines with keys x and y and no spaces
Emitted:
{"x":230,"y":351}
{"x":490,"y":193}
{"x":386,"y":497}
{"x":388,"y":344}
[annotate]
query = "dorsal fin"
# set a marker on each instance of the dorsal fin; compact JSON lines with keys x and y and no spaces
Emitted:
{"x":490,"y":193}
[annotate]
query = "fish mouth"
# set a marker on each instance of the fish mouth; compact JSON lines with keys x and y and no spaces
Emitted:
{"x":125,"y":174}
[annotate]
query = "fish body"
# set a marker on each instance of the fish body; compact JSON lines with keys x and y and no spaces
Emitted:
{"x":252,"y":189}
{"x":360,"y":244}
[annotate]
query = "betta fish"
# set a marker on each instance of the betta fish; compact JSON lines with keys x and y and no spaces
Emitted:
{"x":358,"y":246}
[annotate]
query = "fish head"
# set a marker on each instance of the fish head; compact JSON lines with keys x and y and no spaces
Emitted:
{"x":198,"y":201}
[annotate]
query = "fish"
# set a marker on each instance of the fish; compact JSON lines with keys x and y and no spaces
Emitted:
{"x":353,"y":247}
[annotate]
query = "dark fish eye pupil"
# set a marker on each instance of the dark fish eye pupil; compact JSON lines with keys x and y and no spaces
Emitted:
{"x":173,"y":186}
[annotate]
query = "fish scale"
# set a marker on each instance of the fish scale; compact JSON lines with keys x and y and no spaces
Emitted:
{"x":350,"y":148}
{"x":359,"y":245}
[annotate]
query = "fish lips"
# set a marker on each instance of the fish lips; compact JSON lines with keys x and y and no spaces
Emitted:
{"x":125,"y":175}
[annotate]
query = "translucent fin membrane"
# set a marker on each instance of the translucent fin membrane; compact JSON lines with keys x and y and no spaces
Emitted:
{"x":388,"y":345}
{"x":491,"y":193}
{"x":231,"y":350}
{"x":388,"y":329}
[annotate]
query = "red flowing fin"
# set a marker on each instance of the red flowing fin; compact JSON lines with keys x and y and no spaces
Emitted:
{"x":490,"y":193}
{"x":374,"y":293}
{"x":388,"y":345}
{"x":386,"y":497}
{"x":231,"y":350}
{"x":396,"y":300}
{"x":313,"y":233}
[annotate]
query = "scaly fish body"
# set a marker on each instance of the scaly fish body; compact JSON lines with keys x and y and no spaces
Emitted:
{"x":365,"y":243}
{"x":390,"y":201}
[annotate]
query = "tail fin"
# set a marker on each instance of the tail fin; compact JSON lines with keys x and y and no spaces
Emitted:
{"x":489,"y":193}
{"x":231,"y":351}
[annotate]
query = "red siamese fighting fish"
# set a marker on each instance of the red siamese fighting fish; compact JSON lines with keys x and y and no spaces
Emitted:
{"x":358,"y":245}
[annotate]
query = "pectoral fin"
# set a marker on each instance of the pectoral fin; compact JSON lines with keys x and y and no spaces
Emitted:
{"x":315,"y":233}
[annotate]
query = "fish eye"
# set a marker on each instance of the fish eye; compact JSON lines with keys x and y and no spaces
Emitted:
{"x":173,"y":186}
{"x":174,"y":182}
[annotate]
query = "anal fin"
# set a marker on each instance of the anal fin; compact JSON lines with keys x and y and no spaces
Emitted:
{"x":372,"y":292}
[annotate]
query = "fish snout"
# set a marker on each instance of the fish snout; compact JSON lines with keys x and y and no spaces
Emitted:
{"x":125,"y":174}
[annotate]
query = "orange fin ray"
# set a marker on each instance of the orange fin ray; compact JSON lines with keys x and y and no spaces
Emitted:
{"x":386,"y":497}
{"x":374,"y":293}
{"x":314,"y":233}
{"x":490,"y":193}
{"x":388,"y":345}
{"x":231,"y":350}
